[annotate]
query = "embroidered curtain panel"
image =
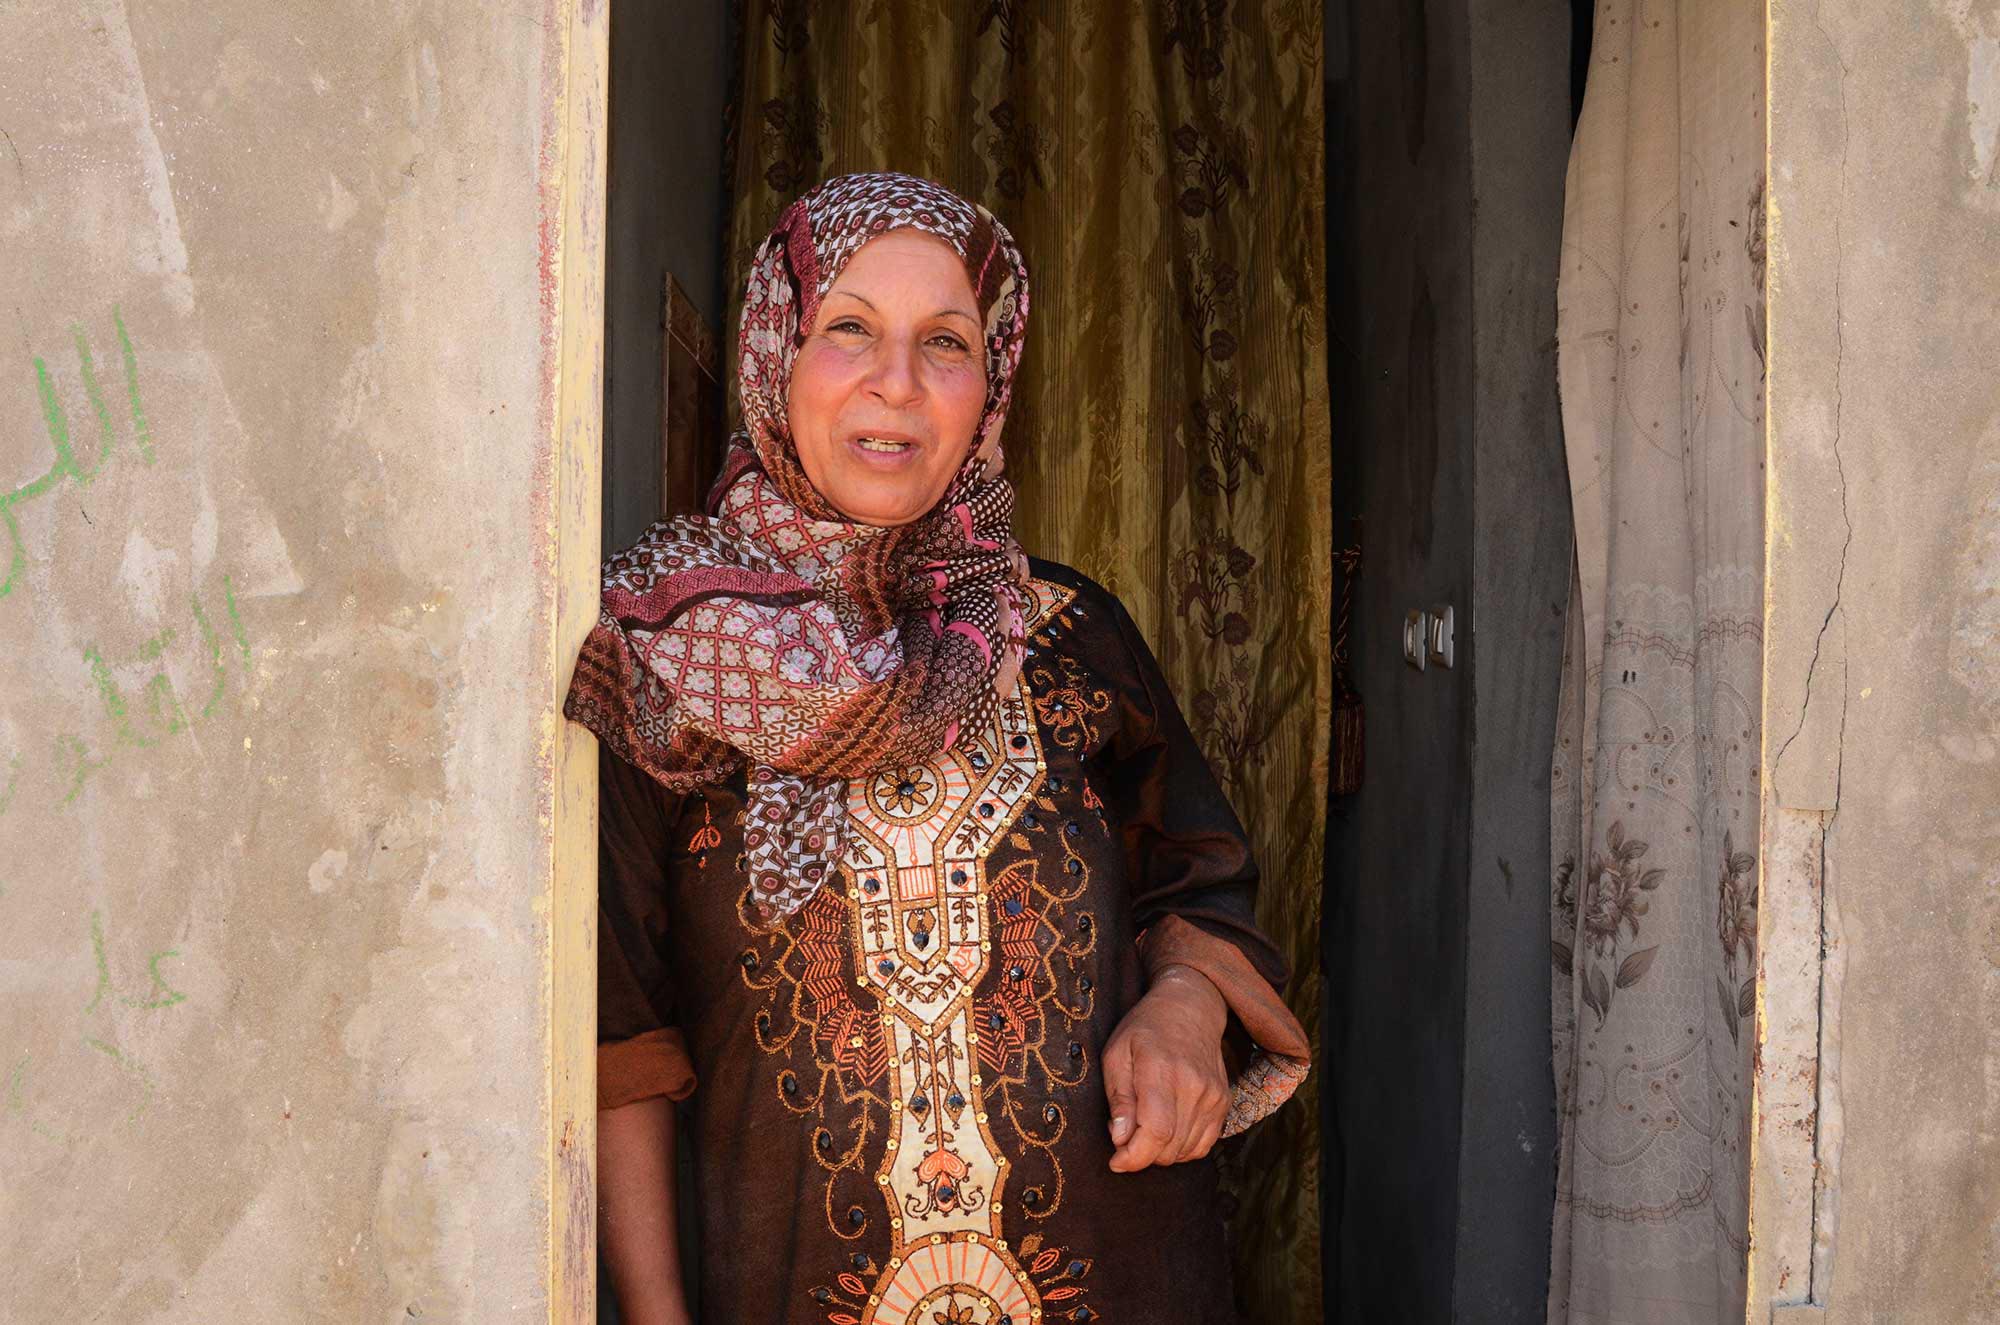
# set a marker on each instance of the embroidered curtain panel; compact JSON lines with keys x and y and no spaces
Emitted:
{"x":1655,"y":800}
{"x":1161,"y":168}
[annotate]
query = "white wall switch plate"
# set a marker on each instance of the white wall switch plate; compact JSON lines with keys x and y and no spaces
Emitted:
{"x":1438,"y":643}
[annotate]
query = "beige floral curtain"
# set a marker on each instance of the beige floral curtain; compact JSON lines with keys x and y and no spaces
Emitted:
{"x":1661,"y":320}
{"x":1161,"y":166}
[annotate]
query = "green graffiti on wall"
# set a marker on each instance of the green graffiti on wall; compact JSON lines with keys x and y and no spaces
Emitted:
{"x":161,"y":995}
{"x":65,"y":467}
{"x":163,"y":715}
{"x":157,"y":996}
{"x":156,"y":711}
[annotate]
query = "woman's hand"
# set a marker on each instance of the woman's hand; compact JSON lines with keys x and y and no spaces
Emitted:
{"x":1164,"y":1074}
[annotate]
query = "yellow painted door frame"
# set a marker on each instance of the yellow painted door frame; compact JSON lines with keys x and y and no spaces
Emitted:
{"x":1795,"y":1123}
{"x":573,"y":211}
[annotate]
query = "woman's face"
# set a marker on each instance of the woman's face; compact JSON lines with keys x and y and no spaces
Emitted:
{"x":891,"y":380}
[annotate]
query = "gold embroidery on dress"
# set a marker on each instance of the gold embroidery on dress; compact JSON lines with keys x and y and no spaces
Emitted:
{"x":1067,"y":698}
{"x":915,"y":922}
{"x":918,"y":842}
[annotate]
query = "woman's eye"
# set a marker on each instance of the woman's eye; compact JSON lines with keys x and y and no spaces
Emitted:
{"x":847,"y":324}
{"x":950,"y":342}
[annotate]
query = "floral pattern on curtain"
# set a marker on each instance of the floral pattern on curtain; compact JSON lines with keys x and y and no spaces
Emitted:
{"x":1655,"y":796}
{"x":1161,"y":166}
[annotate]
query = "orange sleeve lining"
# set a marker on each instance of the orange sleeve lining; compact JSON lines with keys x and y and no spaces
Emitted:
{"x":655,"y":1063}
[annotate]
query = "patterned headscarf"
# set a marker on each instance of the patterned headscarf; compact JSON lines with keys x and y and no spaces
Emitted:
{"x":776,"y":633}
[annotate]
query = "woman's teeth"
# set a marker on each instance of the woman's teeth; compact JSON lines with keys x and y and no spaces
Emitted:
{"x":877,"y":444}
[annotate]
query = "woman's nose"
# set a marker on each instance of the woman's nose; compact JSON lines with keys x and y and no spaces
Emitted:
{"x":896,"y":380}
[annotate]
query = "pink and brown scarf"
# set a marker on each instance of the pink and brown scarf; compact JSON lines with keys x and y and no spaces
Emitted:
{"x":775,"y":633}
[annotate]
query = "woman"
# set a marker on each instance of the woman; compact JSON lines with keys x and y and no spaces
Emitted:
{"x":907,"y":853}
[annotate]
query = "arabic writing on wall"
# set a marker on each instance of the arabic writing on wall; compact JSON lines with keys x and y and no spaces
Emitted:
{"x":139,"y":1079}
{"x":132,"y":701}
{"x":66,"y":466}
{"x":156,"y":711}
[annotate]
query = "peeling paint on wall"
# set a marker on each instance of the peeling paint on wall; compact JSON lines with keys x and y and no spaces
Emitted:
{"x":1980,"y":31}
{"x":1975,"y":616}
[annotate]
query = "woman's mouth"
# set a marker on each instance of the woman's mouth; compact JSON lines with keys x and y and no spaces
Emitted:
{"x":893,"y":453}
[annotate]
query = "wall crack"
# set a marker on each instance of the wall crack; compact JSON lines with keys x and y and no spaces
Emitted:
{"x":1826,"y":1125}
{"x":1839,"y":410}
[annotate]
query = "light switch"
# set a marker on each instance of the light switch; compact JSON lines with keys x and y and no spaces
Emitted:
{"x":1439,"y":643}
{"x":1416,"y":637}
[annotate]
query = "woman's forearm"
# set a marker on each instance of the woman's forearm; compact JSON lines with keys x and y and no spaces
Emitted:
{"x":638,"y":1234}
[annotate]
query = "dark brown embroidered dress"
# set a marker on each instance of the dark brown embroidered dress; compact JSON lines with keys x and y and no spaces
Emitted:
{"x":900,"y":1118}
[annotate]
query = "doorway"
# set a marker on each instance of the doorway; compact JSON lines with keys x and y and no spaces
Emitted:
{"x":1447,"y":135}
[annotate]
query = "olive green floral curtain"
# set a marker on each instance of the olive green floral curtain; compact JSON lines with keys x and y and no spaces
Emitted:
{"x":1160,"y":164}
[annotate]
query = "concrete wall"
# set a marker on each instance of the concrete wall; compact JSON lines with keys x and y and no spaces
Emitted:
{"x":670,"y":66}
{"x":1877,"y":1181}
{"x":1448,"y":134}
{"x":277,"y":420}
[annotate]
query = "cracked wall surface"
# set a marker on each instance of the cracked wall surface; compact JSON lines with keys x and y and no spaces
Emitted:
{"x":274,"y":511}
{"x":1877,"y":1194}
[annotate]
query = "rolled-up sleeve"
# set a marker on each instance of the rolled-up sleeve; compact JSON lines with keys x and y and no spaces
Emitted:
{"x":641,"y":1052}
{"x":1193,"y":882}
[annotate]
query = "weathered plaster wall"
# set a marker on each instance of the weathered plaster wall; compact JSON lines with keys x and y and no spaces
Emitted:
{"x":1881,"y":903}
{"x":276,"y":421}
{"x":670,"y":67}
